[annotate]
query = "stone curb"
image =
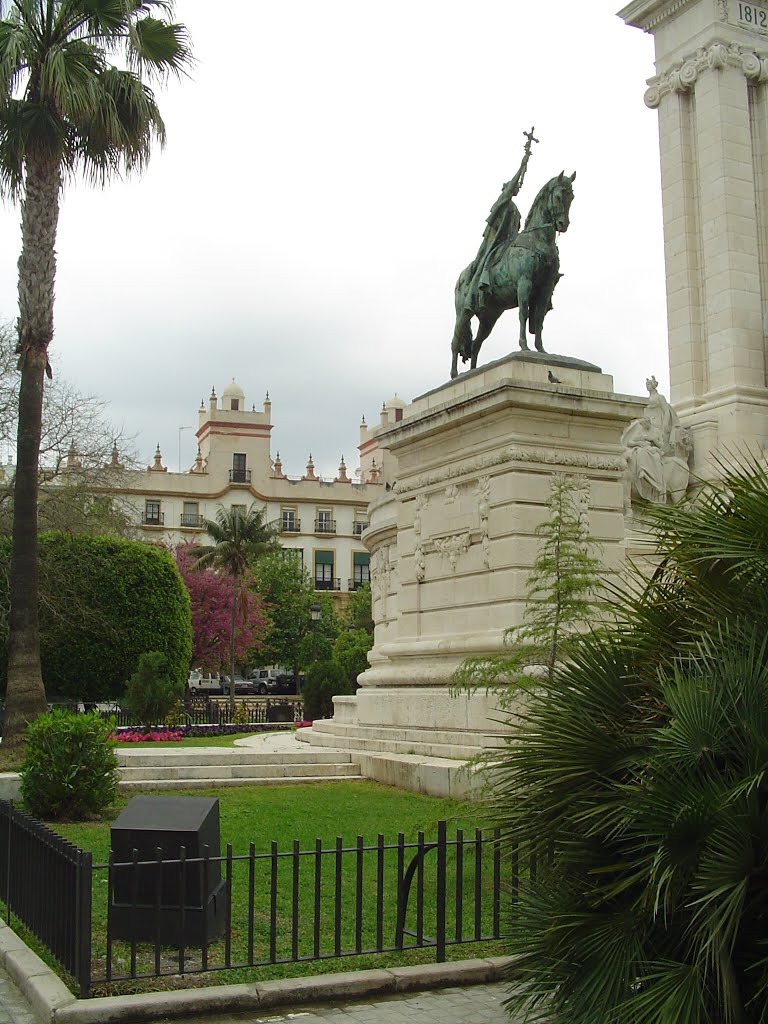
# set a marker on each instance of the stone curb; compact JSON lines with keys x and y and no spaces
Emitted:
{"x":271,"y":995}
{"x":53,"y":1003}
{"x":44,"y":990}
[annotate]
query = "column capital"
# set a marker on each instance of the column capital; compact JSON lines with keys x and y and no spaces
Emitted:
{"x":683,"y":76}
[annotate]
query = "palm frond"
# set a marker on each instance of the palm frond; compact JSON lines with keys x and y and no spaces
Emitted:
{"x":159,"y":48}
{"x":94,"y":118}
{"x":116,"y":136}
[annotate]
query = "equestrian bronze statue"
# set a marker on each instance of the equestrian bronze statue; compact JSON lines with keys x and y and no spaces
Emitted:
{"x":513,"y":268}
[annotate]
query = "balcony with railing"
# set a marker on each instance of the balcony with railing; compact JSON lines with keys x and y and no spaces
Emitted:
{"x":358,"y":526}
{"x":332,"y":584}
{"x":239,"y":476}
{"x":191,"y":521}
{"x":290,"y":525}
{"x":152,"y":518}
{"x":355,"y":584}
{"x":325,"y":525}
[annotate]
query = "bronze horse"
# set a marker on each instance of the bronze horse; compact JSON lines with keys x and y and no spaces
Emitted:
{"x":520,"y":274}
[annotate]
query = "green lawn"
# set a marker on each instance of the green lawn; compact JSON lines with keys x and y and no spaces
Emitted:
{"x":260,"y":814}
{"x":306,"y":813}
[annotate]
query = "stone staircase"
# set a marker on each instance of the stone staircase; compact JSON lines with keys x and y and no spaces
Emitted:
{"x":454,"y":745}
{"x":204,"y":767}
{"x":438,"y":762}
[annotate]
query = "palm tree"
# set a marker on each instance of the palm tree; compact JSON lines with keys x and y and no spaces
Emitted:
{"x":642,"y":766}
{"x":238,"y":538}
{"x":63,"y":109}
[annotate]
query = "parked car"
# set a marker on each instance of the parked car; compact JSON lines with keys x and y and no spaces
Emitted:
{"x":199,"y":683}
{"x":273,"y":680}
{"x":243,"y":687}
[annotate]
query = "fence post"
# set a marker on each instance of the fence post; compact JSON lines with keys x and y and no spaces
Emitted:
{"x":83,"y":921}
{"x":9,"y":821}
{"x":442,"y":845}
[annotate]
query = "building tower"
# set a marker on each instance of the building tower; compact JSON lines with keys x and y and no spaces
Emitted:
{"x":710,"y":90}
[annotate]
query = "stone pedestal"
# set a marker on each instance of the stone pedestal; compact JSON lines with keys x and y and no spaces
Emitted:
{"x":453,"y":543}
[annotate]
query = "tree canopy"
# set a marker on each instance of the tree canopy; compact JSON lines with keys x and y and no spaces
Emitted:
{"x":292,"y":638}
{"x":239,"y":540}
{"x":104,"y":601}
{"x":210,"y":594}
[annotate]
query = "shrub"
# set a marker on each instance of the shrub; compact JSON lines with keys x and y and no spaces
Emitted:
{"x":240,"y":716}
{"x":70,"y":769}
{"x":152,"y":692}
{"x":103,"y":602}
{"x":325,"y":680}
{"x":177,"y":716}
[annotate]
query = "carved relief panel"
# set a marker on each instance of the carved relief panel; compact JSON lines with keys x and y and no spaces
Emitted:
{"x":449,"y":522}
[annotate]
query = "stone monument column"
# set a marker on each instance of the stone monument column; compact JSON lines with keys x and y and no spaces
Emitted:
{"x":710,"y":93}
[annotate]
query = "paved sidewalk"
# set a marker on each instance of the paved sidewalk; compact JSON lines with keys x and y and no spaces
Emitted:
{"x":283,"y":741}
{"x":475,"y":1004}
{"x":14,"y":1008}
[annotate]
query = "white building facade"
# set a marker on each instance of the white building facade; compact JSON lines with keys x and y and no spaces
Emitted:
{"x":321,"y":520}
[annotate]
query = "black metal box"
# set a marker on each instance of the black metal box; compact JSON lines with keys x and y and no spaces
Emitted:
{"x":171,"y":901}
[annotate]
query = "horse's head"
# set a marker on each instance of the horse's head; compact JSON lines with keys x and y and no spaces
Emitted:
{"x":553,"y":203}
{"x":561,"y":199}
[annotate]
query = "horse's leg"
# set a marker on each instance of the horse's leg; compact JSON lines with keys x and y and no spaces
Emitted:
{"x":454,"y":351}
{"x":487,"y":323}
{"x":541,"y":307}
{"x":524,"y":287}
{"x":536,"y":326}
{"x":462,"y":340}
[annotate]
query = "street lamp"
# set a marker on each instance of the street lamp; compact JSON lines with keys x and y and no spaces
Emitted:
{"x":191,"y":427}
{"x":315,"y":611}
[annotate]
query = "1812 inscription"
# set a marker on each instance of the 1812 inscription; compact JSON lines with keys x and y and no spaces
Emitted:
{"x":749,"y":15}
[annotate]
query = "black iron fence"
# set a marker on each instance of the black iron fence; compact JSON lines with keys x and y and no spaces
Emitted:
{"x":217,"y":711}
{"x":46,"y":883}
{"x":274,"y":907}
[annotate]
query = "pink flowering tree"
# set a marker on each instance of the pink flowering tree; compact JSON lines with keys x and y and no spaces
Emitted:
{"x":210,"y":593}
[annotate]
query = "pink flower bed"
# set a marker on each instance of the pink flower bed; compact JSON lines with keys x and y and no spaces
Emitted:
{"x":139,"y":736}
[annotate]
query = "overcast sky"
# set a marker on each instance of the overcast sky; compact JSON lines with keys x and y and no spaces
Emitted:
{"x":328,"y":173}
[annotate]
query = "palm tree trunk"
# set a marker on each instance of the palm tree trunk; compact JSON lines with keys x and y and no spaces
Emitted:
{"x":25,"y":695}
{"x":232,"y":649}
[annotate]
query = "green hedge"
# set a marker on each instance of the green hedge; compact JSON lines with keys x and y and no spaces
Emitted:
{"x":104,"y":602}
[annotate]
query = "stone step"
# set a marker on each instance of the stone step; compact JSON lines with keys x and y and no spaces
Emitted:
{"x":368,"y":744}
{"x":238,"y":771}
{"x":197,"y":756}
{"x":475,"y":741}
{"x":220,"y":783}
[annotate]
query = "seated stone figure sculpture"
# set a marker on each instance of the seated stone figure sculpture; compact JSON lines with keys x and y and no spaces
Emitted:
{"x":657,"y":449}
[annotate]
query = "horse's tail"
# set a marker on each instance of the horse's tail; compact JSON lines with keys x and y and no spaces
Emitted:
{"x":462,"y":335}
{"x":461,"y":291}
